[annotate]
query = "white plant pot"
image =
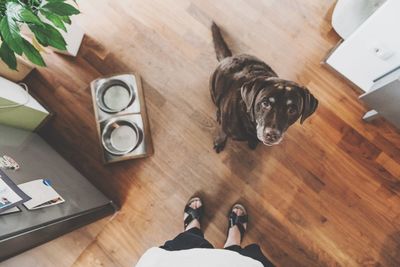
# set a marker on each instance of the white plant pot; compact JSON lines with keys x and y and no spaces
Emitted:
{"x":73,"y":37}
{"x":23,"y":69}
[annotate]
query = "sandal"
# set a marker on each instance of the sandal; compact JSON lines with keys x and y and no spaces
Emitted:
{"x":237,"y":220}
{"x":193,"y":213}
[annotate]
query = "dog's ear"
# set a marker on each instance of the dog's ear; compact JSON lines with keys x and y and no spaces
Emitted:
{"x":310,"y":104}
{"x":249,"y":93}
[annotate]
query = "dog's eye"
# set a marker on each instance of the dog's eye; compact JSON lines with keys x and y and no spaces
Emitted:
{"x":265,"y":105}
{"x":292,"y":110}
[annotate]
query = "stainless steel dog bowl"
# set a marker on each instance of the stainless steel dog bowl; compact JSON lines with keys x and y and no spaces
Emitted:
{"x":121,"y":117}
{"x":119,"y":137}
{"x":114,"y":96}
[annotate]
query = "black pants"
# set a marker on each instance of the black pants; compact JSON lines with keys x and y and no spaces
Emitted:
{"x":194,"y":238}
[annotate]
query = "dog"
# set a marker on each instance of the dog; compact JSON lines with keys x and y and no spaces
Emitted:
{"x":253,"y":103}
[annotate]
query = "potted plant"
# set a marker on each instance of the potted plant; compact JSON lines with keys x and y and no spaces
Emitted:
{"x":26,"y":26}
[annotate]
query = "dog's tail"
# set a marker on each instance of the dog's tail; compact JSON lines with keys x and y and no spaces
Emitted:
{"x":221,"y":48}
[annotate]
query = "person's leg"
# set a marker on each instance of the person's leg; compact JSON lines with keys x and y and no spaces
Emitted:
{"x":254,"y":251}
{"x":236,"y":248}
{"x":192,"y":237}
{"x":235,"y":235}
{"x":234,"y":238}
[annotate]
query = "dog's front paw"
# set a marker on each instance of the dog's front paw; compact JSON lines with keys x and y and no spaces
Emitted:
{"x":219,"y":144}
{"x":252,"y":144}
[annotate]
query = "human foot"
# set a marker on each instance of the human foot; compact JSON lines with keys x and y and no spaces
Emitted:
{"x":192,"y":214}
{"x":237,"y":225}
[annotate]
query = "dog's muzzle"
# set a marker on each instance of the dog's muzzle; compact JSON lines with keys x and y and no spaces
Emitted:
{"x":269,"y":136}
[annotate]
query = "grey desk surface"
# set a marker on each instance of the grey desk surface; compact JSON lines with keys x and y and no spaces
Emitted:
{"x":38,"y":160}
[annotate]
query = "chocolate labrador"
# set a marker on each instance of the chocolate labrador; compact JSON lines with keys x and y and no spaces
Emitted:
{"x":253,"y":104}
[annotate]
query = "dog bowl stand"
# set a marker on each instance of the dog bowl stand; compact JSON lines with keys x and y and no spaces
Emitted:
{"x":123,"y":130}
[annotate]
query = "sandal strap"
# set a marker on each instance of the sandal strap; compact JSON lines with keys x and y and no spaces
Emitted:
{"x":234,"y":219}
{"x":192,"y":214}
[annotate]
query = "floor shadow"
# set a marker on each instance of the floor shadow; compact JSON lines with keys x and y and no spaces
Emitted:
{"x":390,"y":252}
{"x":72,"y":130}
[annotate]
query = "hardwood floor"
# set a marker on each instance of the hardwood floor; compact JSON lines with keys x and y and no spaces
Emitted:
{"x":327,"y":196}
{"x":60,"y":252}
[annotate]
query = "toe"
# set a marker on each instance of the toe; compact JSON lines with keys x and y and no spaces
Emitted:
{"x":239,"y":212}
{"x":195,"y":204}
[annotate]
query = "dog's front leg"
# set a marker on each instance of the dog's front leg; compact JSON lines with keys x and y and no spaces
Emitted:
{"x":220,"y":140}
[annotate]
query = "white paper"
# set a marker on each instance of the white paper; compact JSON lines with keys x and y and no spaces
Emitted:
{"x":42,"y":194}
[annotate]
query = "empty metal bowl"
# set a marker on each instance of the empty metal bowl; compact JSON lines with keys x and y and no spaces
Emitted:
{"x":119,"y":137}
{"x":114,"y":96}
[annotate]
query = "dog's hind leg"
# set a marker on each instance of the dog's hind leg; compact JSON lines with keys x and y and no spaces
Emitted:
{"x":220,"y":140}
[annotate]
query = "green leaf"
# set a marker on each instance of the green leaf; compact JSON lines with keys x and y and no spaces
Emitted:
{"x":27,"y":16}
{"x":32,"y":54}
{"x":55,"y":19}
{"x":8,"y":56}
{"x":9,"y":24}
{"x":60,"y":8}
{"x":18,"y":12}
{"x":66,"y":19}
{"x":10,"y":31}
{"x":60,"y":1}
{"x":48,"y":35}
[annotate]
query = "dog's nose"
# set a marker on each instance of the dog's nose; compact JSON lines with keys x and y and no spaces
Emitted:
{"x":273,"y":135}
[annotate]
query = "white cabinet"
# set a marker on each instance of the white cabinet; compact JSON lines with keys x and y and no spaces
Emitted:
{"x":385,"y":101}
{"x":370,"y":58}
{"x":372,"y":50}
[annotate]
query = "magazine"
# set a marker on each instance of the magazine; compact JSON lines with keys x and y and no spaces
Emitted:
{"x":10,"y":194}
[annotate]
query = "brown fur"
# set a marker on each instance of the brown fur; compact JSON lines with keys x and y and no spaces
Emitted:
{"x":239,"y":84}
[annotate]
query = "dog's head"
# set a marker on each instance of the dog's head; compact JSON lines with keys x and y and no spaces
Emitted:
{"x":275,"y":104}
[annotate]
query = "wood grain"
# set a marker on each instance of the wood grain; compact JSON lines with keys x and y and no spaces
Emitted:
{"x":327,"y":196}
{"x":61,"y":252}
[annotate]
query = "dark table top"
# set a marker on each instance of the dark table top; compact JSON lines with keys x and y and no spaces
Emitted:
{"x":37,"y":161}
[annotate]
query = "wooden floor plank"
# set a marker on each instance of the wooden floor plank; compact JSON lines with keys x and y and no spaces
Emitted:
{"x":327,"y":196}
